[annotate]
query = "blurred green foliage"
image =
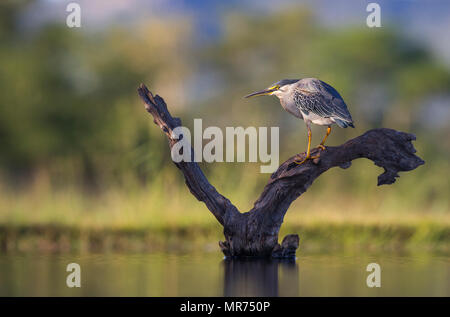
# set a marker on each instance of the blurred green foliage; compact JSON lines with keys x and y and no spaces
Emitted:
{"x":69,"y":111}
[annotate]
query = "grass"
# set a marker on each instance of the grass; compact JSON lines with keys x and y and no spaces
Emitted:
{"x":163,"y":215}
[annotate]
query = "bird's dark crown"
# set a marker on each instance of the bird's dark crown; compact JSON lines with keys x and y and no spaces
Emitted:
{"x":284,"y":82}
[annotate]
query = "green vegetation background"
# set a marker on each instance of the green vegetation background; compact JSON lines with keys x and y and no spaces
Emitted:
{"x":82,"y":166}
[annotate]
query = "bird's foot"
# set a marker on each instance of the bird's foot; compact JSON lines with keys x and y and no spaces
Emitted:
{"x":300,"y":162}
{"x":306,"y":158}
{"x":322,"y":147}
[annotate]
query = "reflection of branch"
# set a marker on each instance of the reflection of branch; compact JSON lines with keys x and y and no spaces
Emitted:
{"x":255,"y":233}
{"x":260,"y":277}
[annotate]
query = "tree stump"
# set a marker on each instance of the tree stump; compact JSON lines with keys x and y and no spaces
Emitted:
{"x":255,"y":233}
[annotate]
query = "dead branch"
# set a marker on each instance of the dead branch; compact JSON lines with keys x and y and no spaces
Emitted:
{"x":255,"y":233}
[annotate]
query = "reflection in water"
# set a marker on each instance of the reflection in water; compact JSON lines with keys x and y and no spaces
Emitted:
{"x":260,"y":277}
{"x":207,"y":274}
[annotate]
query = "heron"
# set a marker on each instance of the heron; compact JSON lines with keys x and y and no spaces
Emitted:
{"x":312,"y":100}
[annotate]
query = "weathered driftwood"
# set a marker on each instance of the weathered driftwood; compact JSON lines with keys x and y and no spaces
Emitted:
{"x":255,"y":233}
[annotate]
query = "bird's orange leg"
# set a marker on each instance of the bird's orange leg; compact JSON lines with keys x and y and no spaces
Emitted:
{"x":308,"y":151}
{"x":322,"y":144}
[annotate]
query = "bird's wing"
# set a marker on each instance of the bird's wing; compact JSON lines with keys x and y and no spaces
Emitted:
{"x":339,"y":108}
{"x":324,"y":100}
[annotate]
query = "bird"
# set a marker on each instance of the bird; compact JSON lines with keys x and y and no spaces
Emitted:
{"x":312,"y":100}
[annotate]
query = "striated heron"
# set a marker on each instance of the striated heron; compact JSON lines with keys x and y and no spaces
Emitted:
{"x":312,"y":100}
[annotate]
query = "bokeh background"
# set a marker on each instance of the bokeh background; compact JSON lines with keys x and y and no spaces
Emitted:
{"x":83,"y":168}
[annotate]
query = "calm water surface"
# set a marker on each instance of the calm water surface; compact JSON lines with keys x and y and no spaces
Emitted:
{"x":209,"y":274}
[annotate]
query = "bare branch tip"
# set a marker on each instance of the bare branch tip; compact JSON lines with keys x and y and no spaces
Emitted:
{"x":144,"y":91}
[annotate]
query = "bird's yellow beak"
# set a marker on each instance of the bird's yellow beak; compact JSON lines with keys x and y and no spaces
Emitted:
{"x":264,"y":92}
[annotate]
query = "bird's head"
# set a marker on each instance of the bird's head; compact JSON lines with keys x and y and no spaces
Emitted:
{"x":279,"y":89}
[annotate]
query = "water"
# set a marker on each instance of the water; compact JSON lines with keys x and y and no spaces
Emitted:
{"x":208,"y":274}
